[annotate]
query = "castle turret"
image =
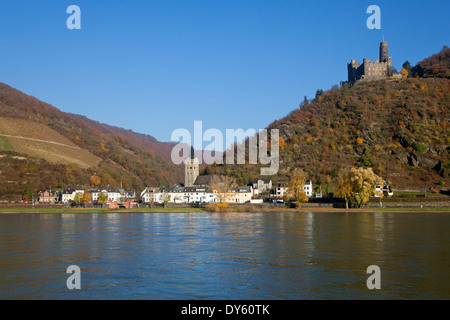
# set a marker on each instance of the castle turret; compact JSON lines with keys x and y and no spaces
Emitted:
{"x":384,"y":51}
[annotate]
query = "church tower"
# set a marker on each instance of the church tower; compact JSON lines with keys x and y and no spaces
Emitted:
{"x":191,"y":169}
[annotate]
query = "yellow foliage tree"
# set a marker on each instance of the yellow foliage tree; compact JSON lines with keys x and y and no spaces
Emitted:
{"x":344,"y":187}
{"x":404,"y":72}
{"x":281,"y":143}
{"x":86,"y":197}
{"x":358,"y":185}
{"x":222,"y":187}
{"x":102,"y":146}
{"x":95,"y":181}
{"x":102,"y":197}
{"x":295,"y":189}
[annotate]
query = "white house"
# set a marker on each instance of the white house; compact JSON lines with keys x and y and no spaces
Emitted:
{"x":69,"y":193}
{"x":282,"y":189}
{"x":178,"y":194}
{"x":382,"y":187}
{"x":240,"y":195}
{"x":114,"y":194}
{"x":261,"y":185}
{"x":171,"y":194}
{"x":148,"y":195}
{"x":308,"y":189}
{"x":199,"y":195}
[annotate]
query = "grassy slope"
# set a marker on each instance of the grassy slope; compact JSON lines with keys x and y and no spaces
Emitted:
{"x":56,"y":149}
{"x":133,"y":159}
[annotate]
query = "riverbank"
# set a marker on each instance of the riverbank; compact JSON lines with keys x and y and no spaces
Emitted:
{"x":243,"y":209}
{"x":93,"y":210}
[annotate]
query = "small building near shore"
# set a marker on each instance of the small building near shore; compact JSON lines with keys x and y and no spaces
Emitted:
{"x":48,"y":197}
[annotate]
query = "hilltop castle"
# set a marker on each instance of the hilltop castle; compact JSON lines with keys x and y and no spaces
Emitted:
{"x":369,"y":70}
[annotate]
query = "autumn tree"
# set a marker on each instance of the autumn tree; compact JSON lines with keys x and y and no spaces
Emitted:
{"x":357,"y":185}
{"x":281,"y":143}
{"x":295,"y":189}
{"x":95,"y":181}
{"x":305,"y":101}
{"x":77,"y":197}
{"x":102,"y":197}
{"x":319,"y":92}
{"x":86,"y":198}
{"x":223,"y":188}
{"x":406,"y":69}
{"x":404,"y":72}
{"x":28,"y":193}
{"x":344,"y":187}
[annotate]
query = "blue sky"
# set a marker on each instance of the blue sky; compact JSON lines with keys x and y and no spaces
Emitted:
{"x":155,"y":66}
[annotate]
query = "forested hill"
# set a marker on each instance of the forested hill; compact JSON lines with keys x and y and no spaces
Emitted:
{"x":400,"y":128}
{"x":44,"y":146}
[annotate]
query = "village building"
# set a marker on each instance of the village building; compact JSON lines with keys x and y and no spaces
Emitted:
{"x":149,"y":194}
{"x":308,"y":188}
{"x":240,"y":195}
{"x":216,"y":182}
{"x":281,"y":189}
{"x":69,"y":193}
{"x":261,"y":185}
{"x":179,"y":194}
{"x":112,"y":194}
{"x":382,"y":187}
{"x":171,"y":194}
{"x":130,"y":196}
{"x":48,"y":196}
{"x":199,"y":195}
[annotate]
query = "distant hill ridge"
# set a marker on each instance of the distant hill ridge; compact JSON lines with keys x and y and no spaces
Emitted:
{"x":115,"y":154}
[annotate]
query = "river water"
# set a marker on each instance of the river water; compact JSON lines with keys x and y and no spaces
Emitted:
{"x":239,"y":256}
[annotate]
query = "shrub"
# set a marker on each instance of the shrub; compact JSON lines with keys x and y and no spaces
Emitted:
{"x":364,"y":162}
{"x":418,"y":147}
{"x":214,"y":207}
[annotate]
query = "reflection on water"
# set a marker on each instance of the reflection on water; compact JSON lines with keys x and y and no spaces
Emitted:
{"x":225,"y":256}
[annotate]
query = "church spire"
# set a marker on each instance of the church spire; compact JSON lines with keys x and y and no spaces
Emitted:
{"x":191,"y":169}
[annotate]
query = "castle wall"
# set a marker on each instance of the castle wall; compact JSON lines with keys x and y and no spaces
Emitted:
{"x":376,"y":70}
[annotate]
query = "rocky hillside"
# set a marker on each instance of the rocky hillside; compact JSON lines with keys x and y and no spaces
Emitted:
{"x":400,"y":128}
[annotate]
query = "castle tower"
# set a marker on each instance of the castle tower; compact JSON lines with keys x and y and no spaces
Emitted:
{"x":384,"y":51}
{"x":191,"y":169}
